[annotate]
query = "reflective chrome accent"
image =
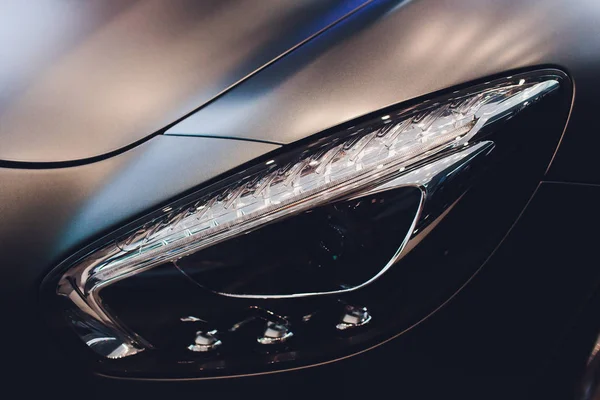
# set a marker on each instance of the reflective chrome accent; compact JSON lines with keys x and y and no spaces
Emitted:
{"x":110,"y":347}
{"x":430,"y":179}
{"x":308,"y":317}
{"x":274,"y":333}
{"x":590,"y":384}
{"x":191,"y":318}
{"x":354,"y":317}
{"x":205,"y":341}
{"x":92,"y":321}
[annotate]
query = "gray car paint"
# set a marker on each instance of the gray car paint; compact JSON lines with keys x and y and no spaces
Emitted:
{"x":391,"y":52}
{"x":82,"y":79}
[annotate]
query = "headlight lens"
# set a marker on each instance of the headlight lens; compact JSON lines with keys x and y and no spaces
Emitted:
{"x":405,"y":148}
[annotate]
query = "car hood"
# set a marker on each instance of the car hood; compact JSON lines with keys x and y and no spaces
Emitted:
{"x":83,"y":79}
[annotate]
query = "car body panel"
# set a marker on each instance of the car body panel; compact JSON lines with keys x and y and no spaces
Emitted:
{"x":82,"y":79}
{"x":391,"y":52}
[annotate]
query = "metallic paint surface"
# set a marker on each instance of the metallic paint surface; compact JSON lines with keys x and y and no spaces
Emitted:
{"x":390,"y":52}
{"x":81,"y":79}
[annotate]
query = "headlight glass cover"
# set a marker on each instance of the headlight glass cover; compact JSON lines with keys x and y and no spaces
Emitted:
{"x":391,"y":148}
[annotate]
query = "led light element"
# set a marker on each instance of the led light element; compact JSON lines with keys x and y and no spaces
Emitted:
{"x":346,"y":164}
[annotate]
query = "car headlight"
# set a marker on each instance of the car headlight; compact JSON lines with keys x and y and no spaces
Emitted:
{"x":323,"y":218}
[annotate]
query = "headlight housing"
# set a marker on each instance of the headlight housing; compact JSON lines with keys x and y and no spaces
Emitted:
{"x":390,"y":176}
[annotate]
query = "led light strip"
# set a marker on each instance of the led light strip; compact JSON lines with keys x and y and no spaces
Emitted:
{"x":315,"y":178}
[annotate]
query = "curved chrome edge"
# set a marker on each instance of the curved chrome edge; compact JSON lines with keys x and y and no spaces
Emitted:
{"x":99,"y":329}
{"x":429,"y":179}
{"x":590,"y":384}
